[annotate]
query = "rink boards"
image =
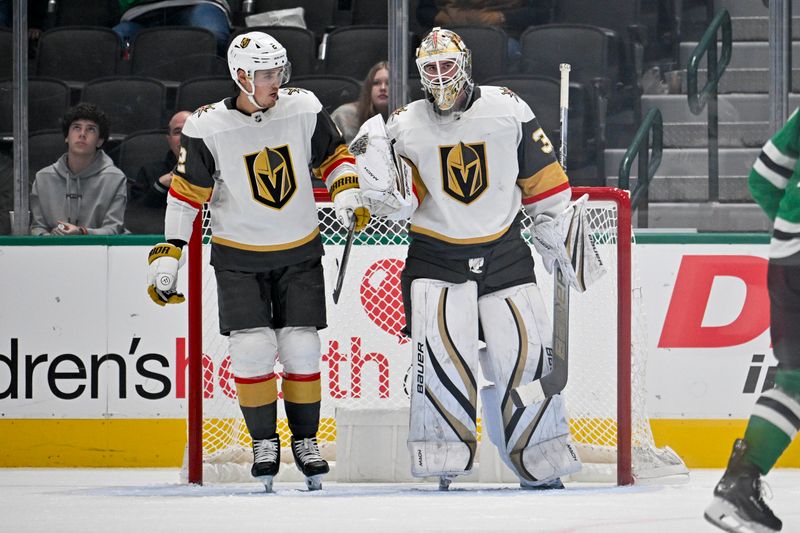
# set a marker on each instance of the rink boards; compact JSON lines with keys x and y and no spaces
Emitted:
{"x":92,"y":373}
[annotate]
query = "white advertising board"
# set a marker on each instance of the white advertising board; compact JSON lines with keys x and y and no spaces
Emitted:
{"x":79,"y":338}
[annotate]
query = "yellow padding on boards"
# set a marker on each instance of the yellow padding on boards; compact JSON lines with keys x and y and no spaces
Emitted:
{"x":257,"y":394}
{"x":92,"y":442}
{"x":161,"y":442}
{"x":704,"y":443}
{"x":301,"y":391}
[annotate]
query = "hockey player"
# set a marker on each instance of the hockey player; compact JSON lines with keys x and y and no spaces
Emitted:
{"x":476,"y":156}
{"x":249,"y":157}
{"x":775,"y":185}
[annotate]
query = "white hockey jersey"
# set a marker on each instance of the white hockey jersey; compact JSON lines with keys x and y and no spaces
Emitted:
{"x":472,"y":173}
{"x":255,"y":173}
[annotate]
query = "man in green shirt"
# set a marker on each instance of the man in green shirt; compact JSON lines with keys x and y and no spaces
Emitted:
{"x":775,"y":185}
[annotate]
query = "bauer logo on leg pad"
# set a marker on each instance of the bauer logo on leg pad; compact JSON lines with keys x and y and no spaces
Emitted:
{"x":420,"y":378}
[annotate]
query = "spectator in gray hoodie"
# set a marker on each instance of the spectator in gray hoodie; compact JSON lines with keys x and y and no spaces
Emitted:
{"x":82,"y":193}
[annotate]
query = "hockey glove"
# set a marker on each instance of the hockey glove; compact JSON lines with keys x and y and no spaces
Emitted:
{"x":564,"y":240}
{"x":162,"y":275}
{"x":348,"y":203}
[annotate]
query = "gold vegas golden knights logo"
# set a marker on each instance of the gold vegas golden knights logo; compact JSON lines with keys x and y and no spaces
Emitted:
{"x":245,"y":42}
{"x":464,"y":175}
{"x":271,"y":176}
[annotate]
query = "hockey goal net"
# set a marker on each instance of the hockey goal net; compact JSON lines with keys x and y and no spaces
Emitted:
{"x":366,"y":359}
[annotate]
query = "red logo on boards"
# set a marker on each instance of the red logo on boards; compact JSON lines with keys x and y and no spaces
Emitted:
{"x":683,"y":324}
{"x":382,"y":298}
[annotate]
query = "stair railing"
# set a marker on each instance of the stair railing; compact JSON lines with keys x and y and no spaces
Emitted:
{"x":649,"y":153}
{"x":699,"y":99}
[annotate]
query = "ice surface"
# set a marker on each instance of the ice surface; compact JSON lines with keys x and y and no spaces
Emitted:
{"x":152,"y":500}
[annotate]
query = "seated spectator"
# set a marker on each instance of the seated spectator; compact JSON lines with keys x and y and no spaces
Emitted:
{"x":512,"y":16}
{"x":213,"y":15}
{"x":82,"y":193}
{"x":147,"y":202}
{"x":374,"y":99}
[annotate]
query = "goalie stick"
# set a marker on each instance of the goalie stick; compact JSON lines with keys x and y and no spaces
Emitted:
{"x":351,"y":233}
{"x":554,"y":382}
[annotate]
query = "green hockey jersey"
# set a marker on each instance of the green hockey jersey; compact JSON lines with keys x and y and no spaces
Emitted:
{"x":775,"y":185}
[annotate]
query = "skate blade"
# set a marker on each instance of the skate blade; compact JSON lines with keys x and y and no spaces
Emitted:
{"x":723,"y":515}
{"x":444,"y":482}
{"x":267,"y":481}
{"x":314,"y":482}
{"x":555,"y":484}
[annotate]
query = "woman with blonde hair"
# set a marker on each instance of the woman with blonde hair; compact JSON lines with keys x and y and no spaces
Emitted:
{"x":373,"y":99}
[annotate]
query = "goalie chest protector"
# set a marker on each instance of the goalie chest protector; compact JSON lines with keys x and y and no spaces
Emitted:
{"x":467,"y":167}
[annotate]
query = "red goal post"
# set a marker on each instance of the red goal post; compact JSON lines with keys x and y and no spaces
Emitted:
{"x":618,"y":427}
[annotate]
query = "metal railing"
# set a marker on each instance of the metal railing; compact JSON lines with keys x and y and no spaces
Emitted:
{"x":649,"y":162}
{"x":707,"y":97}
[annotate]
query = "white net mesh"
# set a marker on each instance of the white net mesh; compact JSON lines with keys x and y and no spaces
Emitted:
{"x":365,"y":357}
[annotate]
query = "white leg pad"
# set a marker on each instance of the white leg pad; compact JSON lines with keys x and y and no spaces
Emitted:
{"x":493,"y":422}
{"x":548,"y":454}
{"x":253,"y":351}
{"x":518,"y":337}
{"x":299,"y":349}
{"x":442,"y":437}
{"x":518,"y":334}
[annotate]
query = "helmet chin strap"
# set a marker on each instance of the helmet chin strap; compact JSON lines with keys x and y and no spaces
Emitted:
{"x":252,"y":99}
{"x":251,"y":96}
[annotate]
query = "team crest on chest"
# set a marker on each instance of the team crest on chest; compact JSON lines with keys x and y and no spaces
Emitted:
{"x":464,"y":175}
{"x":271,"y":176}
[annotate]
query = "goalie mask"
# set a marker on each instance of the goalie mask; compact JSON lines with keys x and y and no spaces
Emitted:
{"x":257,"y":51}
{"x":445,"y":68}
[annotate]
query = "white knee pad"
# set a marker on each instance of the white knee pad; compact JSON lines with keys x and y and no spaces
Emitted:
{"x":299,"y":349}
{"x":442,"y":435}
{"x":253,"y":351}
{"x":518,"y":335}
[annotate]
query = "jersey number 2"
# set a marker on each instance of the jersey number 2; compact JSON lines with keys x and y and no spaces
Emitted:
{"x":181,"y":167}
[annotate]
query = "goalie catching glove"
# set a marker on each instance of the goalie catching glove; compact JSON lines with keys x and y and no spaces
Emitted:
{"x":564,"y":240}
{"x":384,"y":179}
{"x":162,"y":274}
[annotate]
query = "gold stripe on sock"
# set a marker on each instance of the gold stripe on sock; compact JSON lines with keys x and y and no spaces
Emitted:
{"x":301,"y":391}
{"x":257,"y":394}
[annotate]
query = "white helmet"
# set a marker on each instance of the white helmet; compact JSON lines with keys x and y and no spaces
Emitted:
{"x":443,"y":88}
{"x":256,"y":51}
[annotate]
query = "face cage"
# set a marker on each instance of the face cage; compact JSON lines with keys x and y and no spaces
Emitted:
{"x":444,"y":91}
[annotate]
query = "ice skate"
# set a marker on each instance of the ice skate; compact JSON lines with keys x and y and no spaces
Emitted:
{"x":738,"y":505}
{"x":266,"y":460}
{"x":444,"y":482}
{"x":309,"y":461}
{"x":553,"y":484}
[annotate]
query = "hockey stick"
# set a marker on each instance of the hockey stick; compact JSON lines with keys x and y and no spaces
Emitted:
{"x":554,"y":382}
{"x":351,"y":233}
